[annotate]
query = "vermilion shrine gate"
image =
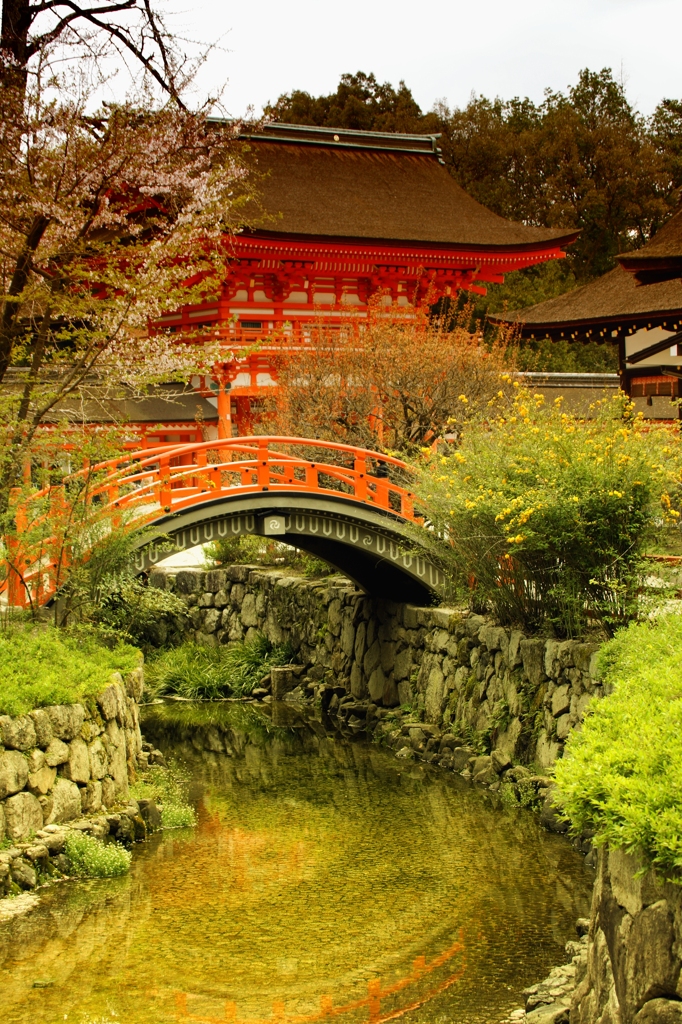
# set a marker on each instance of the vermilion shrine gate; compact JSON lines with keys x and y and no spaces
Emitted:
{"x":343,"y":216}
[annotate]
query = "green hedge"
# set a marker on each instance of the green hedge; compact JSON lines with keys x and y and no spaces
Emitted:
{"x":622,"y":773}
{"x":41,"y":666}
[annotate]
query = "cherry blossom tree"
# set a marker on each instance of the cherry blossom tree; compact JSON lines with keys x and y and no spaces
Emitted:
{"x":106,"y":220}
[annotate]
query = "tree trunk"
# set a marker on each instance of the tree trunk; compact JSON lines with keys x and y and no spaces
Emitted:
{"x":16,"y":22}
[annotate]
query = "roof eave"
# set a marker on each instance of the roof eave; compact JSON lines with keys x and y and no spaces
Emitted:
{"x":541,"y":244}
{"x":530,"y":328}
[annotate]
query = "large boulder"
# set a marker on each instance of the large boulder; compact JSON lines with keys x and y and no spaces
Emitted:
{"x":24,"y":874}
{"x":66,"y":720}
{"x":65,"y":801}
{"x":17,"y":733}
{"x":91,"y":797}
{"x":660,"y":1011}
{"x":42,"y":781}
{"x":77,"y":768}
{"x":435,"y":691}
{"x":111,"y":701}
{"x":57,"y":753}
{"x":13,"y":773}
{"x":43,"y":727}
{"x":135,"y":683}
{"x":98,"y":759}
{"x":23,"y":815}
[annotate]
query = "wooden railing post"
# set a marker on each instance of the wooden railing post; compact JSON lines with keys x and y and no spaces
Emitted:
{"x":263,"y":466}
{"x":360,"y":467}
{"x":165,"y":479}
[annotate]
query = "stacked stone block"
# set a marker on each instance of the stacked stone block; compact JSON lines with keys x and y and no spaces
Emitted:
{"x":59,"y":762}
{"x":456,"y":672}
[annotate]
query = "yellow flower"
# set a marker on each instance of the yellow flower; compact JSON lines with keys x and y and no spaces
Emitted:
{"x":463,"y":398}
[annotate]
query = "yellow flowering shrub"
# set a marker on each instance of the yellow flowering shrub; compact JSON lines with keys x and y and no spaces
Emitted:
{"x":543,"y":516}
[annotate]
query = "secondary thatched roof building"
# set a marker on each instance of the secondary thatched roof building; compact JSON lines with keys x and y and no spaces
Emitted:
{"x":638,"y":307}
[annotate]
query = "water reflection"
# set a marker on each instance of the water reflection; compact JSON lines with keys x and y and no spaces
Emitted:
{"x":325,"y":880}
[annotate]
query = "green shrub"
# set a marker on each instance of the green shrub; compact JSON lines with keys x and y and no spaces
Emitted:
{"x":44,"y":665}
{"x":168,"y":787}
{"x":264,"y":551}
{"x":199,"y":672}
{"x":621,"y":775}
{"x":91,"y":858}
{"x":542,"y":517}
{"x":178,"y":816}
{"x":140,"y":613}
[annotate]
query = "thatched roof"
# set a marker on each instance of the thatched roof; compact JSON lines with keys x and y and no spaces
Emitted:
{"x":612,"y":303}
{"x":371,"y":186}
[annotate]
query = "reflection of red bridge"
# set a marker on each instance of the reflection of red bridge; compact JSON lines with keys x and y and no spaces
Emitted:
{"x":375,"y":995}
{"x":347,"y":505}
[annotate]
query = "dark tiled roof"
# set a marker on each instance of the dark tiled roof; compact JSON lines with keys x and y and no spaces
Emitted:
{"x":612,"y":300}
{"x":374,"y":186}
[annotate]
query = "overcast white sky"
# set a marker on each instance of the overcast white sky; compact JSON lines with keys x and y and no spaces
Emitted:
{"x":443,"y":49}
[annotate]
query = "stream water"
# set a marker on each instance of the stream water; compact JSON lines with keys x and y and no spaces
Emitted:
{"x":325,"y":880}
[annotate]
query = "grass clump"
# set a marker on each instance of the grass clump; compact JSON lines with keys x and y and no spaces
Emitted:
{"x":198,"y":672}
{"x":45,"y":665}
{"x":168,"y":788}
{"x":91,"y":858}
{"x":621,"y":775}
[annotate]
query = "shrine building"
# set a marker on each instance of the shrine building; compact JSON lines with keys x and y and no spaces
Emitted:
{"x":637,"y":307}
{"x":342,"y":216}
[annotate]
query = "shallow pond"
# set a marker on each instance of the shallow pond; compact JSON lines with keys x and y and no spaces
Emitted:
{"x":326,"y":880}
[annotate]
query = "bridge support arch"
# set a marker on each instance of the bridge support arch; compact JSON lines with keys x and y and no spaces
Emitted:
{"x":374,"y":549}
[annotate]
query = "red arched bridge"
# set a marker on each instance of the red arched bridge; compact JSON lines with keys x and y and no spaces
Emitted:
{"x":347,"y":505}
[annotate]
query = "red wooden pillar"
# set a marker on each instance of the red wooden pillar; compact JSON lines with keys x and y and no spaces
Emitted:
{"x":224,"y":412}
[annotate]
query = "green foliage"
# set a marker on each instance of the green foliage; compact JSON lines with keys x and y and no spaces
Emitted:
{"x":562,"y":356}
{"x":263,"y":551}
{"x":90,"y":858}
{"x":191,"y":670}
{"x":314,"y":568}
{"x":199,"y":672}
{"x":621,"y":775}
{"x":543,"y":517}
{"x":44,"y":665}
{"x":167,"y":787}
{"x":360,"y":103}
{"x":178,"y":816}
{"x":140,"y":613}
{"x":240,"y":549}
{"x":249,"y":660}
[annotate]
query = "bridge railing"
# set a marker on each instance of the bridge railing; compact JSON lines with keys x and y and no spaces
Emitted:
{"x":141,"y":487}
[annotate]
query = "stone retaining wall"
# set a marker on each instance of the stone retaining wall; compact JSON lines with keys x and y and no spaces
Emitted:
{"x":422,"y":674}
{"x":633,"y":970}
{"x":58,"y":763}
